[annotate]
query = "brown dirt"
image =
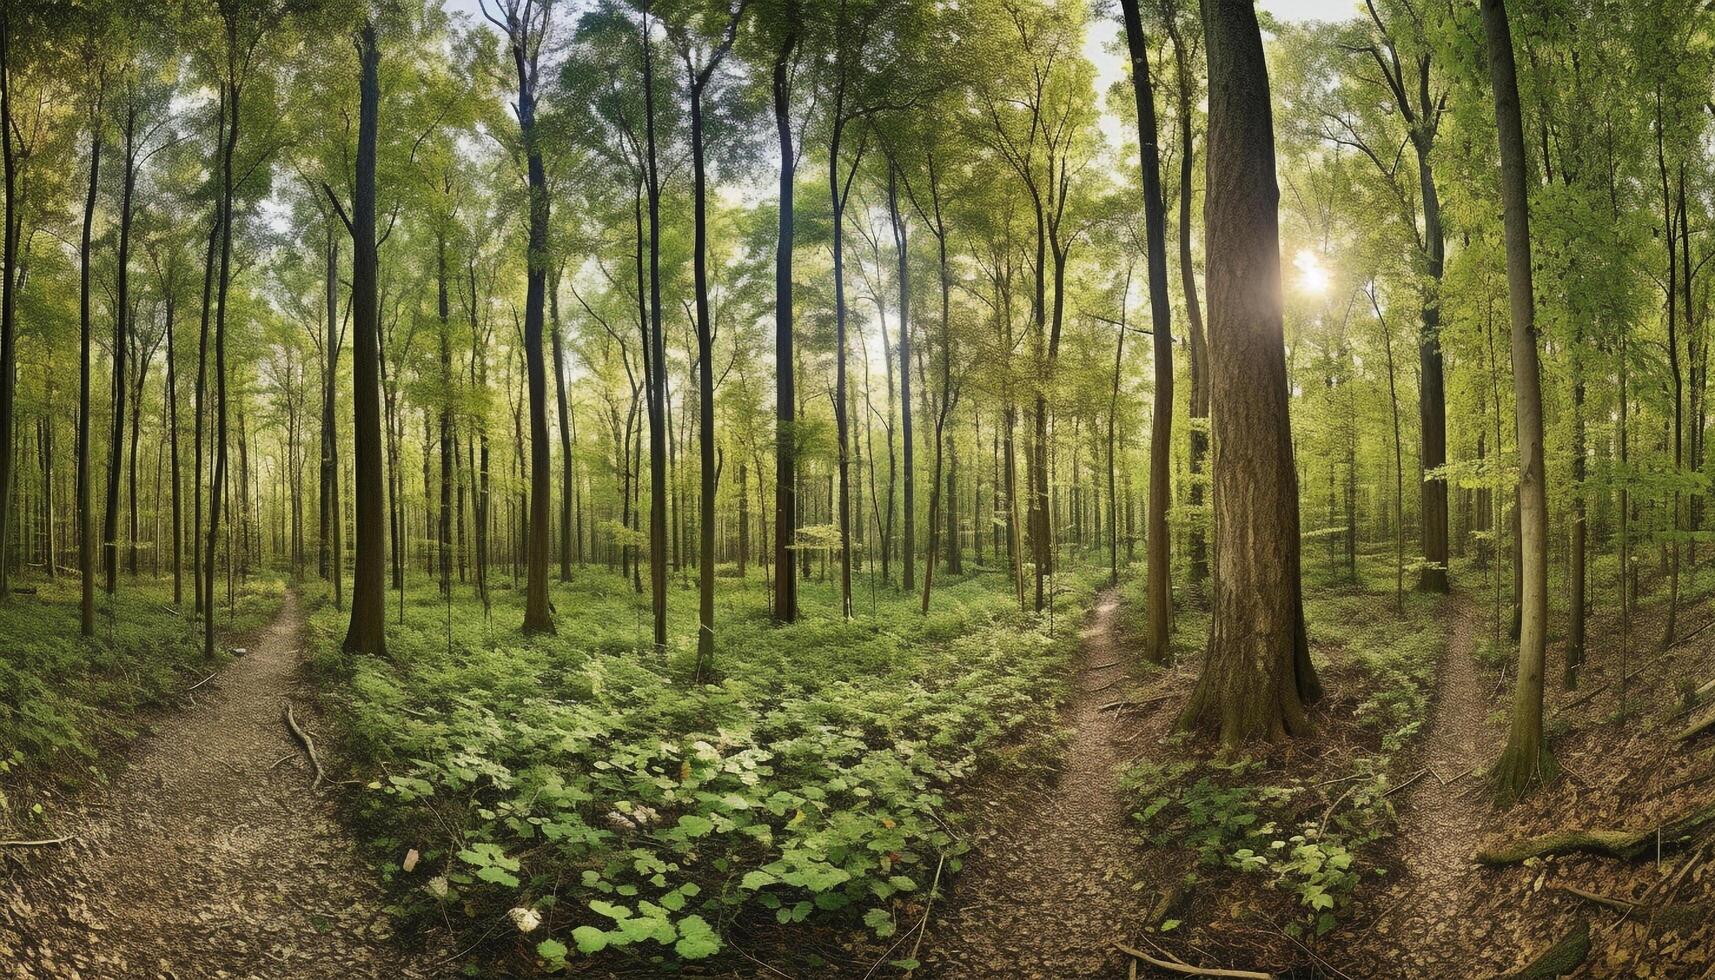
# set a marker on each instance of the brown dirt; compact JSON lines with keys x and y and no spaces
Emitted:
{"x":1426,"y":928}
{"x":1050,"y":888}
{"x":208,"y":857}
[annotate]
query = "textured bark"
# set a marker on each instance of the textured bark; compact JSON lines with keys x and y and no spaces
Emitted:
{"x":1525,"y":758}
{"x":1257,"y":676}
{"x":366,"y":632}
{"x":1158,"y":543}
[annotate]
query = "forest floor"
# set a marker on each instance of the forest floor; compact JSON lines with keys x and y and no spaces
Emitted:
{"x":1060,"y":855}
{"x":210,"y":855}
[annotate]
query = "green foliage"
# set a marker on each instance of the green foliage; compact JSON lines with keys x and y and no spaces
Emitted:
{"x":1230,"y":822}
{"x":64,"y":697}
{"x":583,"y":777}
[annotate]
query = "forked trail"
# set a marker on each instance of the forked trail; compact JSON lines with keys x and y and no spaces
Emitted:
{"x":208,"y":857}
{"x":1050,"y":891}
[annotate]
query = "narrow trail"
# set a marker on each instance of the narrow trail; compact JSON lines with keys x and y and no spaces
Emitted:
{"x":1050,"y":891}
{"x":208,"y":856}
{"x":1427,"y":927}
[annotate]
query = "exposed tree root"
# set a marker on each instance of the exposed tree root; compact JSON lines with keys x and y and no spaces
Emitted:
{"x":1560,"y":959}
{"x":1625,"y":844}
{"x":1698,"y":726}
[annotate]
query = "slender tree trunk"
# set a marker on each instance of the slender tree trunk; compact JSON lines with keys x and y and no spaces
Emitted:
{"x":367,"y":633}
{"x":657,"y":354}
{"x":1158,"y":607}
{"x":13,"y":220}
{"x":1526,"y":758}
{"x":567,"y":471}
{"x":786,"y":397}
{"x":85,"y":529}
{"x":1257,"y":676}
{"x":121,"y":344}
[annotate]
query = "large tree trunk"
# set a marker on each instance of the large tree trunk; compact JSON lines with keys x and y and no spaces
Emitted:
{"x":1432,"y":402}
{"x":333,"y":560}
{"x":367,"y":633}
{"x":1525,"y":758}
{"x":1196,"y":547}
{"x":1257,"y":676}
{"x":1158,"y":607}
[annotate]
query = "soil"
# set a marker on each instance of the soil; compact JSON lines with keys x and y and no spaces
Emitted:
{"x":209,"y":856}
{"x":1053,"y":884}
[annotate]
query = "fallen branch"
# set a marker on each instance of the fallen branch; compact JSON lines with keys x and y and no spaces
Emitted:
{"x":308,"y":743}
{"x":1624,"y":844}
{"x":1130,"y":703}
{"x":1196,"y":971}
{"x":1415,"y":777}
{"x":1560,"y":959}
{"x":1698,"y":726}
{"x":52,"y":842}
{"x":200,"y":683}
{"x":1621,"y":904}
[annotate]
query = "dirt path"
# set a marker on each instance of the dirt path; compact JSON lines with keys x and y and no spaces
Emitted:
{"x":1428,"y":929}
{"x":1050,"y":890}
{"x":208,"y":857}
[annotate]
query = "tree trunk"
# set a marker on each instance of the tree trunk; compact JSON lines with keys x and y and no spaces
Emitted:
{"x":367,"y":633}
{"x":785,"y":401}
{"x":121,"y":344}
{"x":1257,"y":676}
{"x":85,"y":531}
{"x":656,"y":378}
{"x":1525,"y":758}
{"x":1158,"y":604}
{"x":566,"y":463}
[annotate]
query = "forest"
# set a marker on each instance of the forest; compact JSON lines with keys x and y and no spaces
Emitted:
{"x":857,"y":488}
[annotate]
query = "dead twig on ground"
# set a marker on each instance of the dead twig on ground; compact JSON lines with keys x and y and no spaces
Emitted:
{"x":200,"y":683}
{"x":50,"y":842}
{"x":1621,"y":904}
{"x":1196,"y":971}
{"x":308,"y":743}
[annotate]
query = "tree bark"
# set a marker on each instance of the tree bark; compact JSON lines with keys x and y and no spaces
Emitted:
{"x":1257,"y":676}
{"x":1159,"y":556}
{"x":366,"y":633}
{"x":1525,"y":758}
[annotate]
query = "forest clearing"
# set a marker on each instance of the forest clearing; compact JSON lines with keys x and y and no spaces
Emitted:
{"x":856,"y":488}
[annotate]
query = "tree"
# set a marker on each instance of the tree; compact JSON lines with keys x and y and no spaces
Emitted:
{"x":525,"y":26}
{"x":1257,"y":676}
{"x":367,"y":631}
{"x":1156,"y":634}
{"x":698,"y":75}
{"x":1525,"y":758}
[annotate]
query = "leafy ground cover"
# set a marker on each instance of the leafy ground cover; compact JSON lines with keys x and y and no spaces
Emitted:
{"x":576,"y":795}
{"x":1262,"y":856}
{"x":63,"y":699}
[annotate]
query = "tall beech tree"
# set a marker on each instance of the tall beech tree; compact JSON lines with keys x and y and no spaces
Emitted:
{"x":1525,"y":758}
{"x":1257,"y":676}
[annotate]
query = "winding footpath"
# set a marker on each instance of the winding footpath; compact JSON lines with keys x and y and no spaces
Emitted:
{"x":209,"y":856}
{"x":1051,"y":890}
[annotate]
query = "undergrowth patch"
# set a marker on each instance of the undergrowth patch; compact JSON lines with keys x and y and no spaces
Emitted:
{"x":576,"y":795}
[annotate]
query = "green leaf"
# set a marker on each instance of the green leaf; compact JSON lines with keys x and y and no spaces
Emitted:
{"x":697,"y":939}
{"x":551,"y":949}
{"x":589,"y":939}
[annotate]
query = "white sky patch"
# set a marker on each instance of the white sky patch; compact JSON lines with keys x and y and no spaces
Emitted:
{"x":1312,"y":275}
